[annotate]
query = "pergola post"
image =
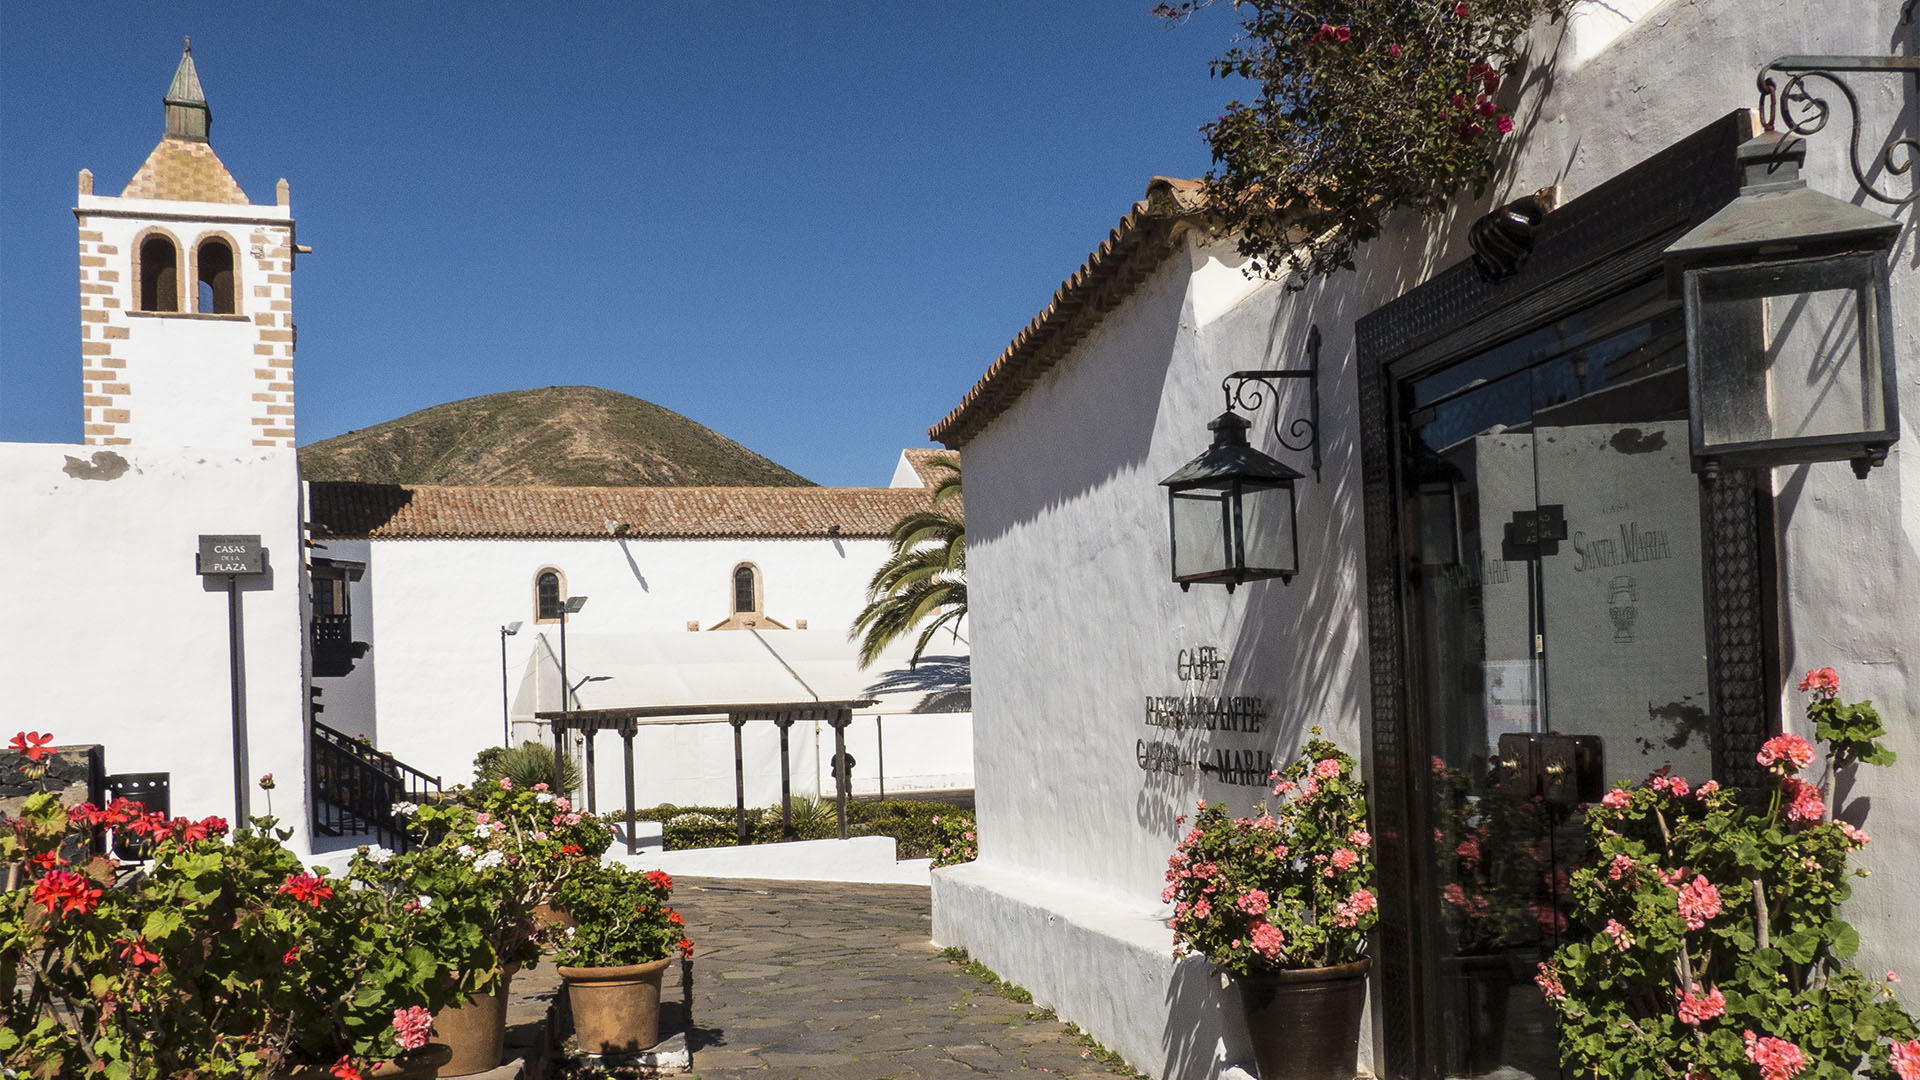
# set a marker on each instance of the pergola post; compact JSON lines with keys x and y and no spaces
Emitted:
{"x":843,"y":778}
{"x":784,"y":721}
{"x":559,"y":756}
{"x":739,"y":721}
{"x":627,"y":730}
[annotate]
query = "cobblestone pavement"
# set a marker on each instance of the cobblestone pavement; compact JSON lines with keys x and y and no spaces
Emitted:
{"x":827,"y":980}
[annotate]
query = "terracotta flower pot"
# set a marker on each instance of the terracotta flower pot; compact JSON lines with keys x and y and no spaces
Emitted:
{"x":476,"y":1032}
{"x":616,"y":1010}
{"x":1305,"y":1025}
{"x":547,"y":914}
{"x":422,"y":1064}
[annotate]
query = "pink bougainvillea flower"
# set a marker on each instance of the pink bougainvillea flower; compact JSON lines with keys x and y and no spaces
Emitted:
{"x":1341,"y":34}
{"x":1460,"y":11}
{"x":1699,"y":901}
{"x":1393,"y":51}
{"x":1824,"y":682}
{"x":1778,"y":1059}
{"x":412,"y":1025}
{"x":1694,"y":1009}
{"x":1785,"y":754}
{"x":1504,"y":125}
{"x":34,"y":744}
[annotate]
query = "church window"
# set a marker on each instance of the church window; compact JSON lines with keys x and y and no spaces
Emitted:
{"x":159,"y":275}
{"x":549,"y":595}
{"x":215,"y":262}
{"x":746,"y":590}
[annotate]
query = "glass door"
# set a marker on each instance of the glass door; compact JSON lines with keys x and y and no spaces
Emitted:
{"x":1557,"y":640}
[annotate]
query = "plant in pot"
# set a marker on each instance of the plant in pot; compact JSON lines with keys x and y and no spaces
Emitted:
{"x":216,"y":957}
{"x":615,"y":954}
{"x":1284,"y":902}
{"x":1713,"y":945}
{"x":1494,"y":857}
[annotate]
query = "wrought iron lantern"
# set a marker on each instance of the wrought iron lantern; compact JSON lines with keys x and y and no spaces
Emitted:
{"x":1790,"y":352}
{"x":1231,"y":511}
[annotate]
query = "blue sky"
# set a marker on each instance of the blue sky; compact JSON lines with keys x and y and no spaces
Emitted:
{"x":809,"y":226}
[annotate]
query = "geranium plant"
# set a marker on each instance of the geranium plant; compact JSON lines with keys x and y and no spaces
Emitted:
{"x":1361,"y":107}
{"x":1291,"y":888}
{"x":620,"y":917}
{"x":1713,"y":946}
{"x":956,"y":838}
{"x":219,"y":956}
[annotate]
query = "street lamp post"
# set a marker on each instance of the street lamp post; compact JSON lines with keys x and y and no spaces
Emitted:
{"x":506,"y":716}
{"x":571,"y":607}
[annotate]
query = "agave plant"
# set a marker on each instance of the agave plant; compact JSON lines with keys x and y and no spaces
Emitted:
{"x":923,"y":584}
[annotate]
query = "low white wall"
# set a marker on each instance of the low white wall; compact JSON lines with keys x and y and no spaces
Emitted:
{"x":859,"y":859}
{"x":116,"y":640}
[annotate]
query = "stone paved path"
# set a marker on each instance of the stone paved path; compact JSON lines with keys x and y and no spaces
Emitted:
{"x":826,"y":980}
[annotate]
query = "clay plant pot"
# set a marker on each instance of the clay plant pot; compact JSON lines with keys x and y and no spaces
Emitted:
{"x":422,"y":1064}
{"x":1305,"y":1025}
{"x":476,"y":1032}
{"x":547,"y":914}
{"x":616,"y":1010}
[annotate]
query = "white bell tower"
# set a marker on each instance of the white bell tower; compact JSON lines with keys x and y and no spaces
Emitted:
{"x":186,"y":297}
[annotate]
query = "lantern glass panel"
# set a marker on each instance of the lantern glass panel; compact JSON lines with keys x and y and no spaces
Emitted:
{"x":1199,"y":533}
{"x":1787,"y":351}
{"x":1268,"y":530}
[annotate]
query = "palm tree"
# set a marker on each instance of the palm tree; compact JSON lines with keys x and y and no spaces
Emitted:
{"x":924,"y":580}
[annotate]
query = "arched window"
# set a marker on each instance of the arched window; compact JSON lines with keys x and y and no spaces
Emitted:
{"x":746,"y":590}
{"x":549,"y":595}
{"x":159,"y":275}
{"x":215,"y":261}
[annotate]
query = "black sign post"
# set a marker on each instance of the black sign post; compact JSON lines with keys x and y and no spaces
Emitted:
{"x":234,"y":557}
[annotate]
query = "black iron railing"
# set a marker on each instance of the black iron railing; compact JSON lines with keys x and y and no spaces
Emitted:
{"x":356,"y":786}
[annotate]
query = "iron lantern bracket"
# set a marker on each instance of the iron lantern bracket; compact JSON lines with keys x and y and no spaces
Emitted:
{"x":1805,"y":113}
{"x":1248,"y":390}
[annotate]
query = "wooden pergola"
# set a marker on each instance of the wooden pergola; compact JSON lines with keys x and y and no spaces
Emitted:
{"x":783,"y":715}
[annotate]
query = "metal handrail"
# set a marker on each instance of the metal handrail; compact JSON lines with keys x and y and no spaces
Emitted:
{"x":356,"y":786}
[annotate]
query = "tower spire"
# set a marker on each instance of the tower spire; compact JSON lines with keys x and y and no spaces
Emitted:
{"x":188,"y":116}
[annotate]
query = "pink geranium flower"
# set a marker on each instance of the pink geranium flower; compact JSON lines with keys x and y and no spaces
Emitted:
{"x":1822,"y":681}
{"x":1785,"y":754}
{"x":1699,"y":901}
{"x":1778,"y":1059}
{"x":1695,"y":1009}
{"x":412,"y":1026}
{"x":1905,"y":1058}
{"x":1266,"y":939}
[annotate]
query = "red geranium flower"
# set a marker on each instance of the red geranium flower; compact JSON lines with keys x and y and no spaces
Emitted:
{"x":135,"y":952}
{"x":344,"y":1069}
{"x":64,"y":892}
{"x":307,"y":889}
{"x":34,"y":744}
{"x":660,"y":878}
{"x":686,"y":947}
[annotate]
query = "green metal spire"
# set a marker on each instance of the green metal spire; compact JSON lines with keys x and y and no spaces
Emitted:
{"x":188,"y":116}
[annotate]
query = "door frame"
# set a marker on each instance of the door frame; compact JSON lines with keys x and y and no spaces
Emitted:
{"x":1601,"y":243}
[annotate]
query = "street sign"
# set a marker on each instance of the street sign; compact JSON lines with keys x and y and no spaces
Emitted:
{"x":240,"y":555}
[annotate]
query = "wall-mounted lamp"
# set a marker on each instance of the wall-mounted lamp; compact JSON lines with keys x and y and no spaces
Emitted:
{"x":1231,"y":511}
{"x":1790,"y":352}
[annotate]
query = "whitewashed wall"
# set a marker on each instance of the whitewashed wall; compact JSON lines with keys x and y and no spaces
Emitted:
{"x":437,"y":607}
{"x":1075,"y":622}
{"x":113,"y":638}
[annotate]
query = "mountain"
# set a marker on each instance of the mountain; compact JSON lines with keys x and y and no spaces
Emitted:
{"x":562,"y":436}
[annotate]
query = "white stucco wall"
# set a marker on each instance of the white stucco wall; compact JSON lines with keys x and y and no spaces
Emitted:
{"x":435,"y":610}
{"x":1075,"y":621}
{"x":115,"y":640}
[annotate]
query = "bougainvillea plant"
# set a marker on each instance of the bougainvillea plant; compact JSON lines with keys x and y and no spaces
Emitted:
{"x":620,"y":917}
{"x":219,"y":956}
{"x":1713,"y":943}
{"x":1361,"y":107}
{"x":1291,"y":888}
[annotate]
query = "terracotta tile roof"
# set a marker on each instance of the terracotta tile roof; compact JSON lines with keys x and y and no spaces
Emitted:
{"x":1132,"y":250}
{"x":922,"y":460}
{"x":349,"y":510}
{"x":187,"y":170}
